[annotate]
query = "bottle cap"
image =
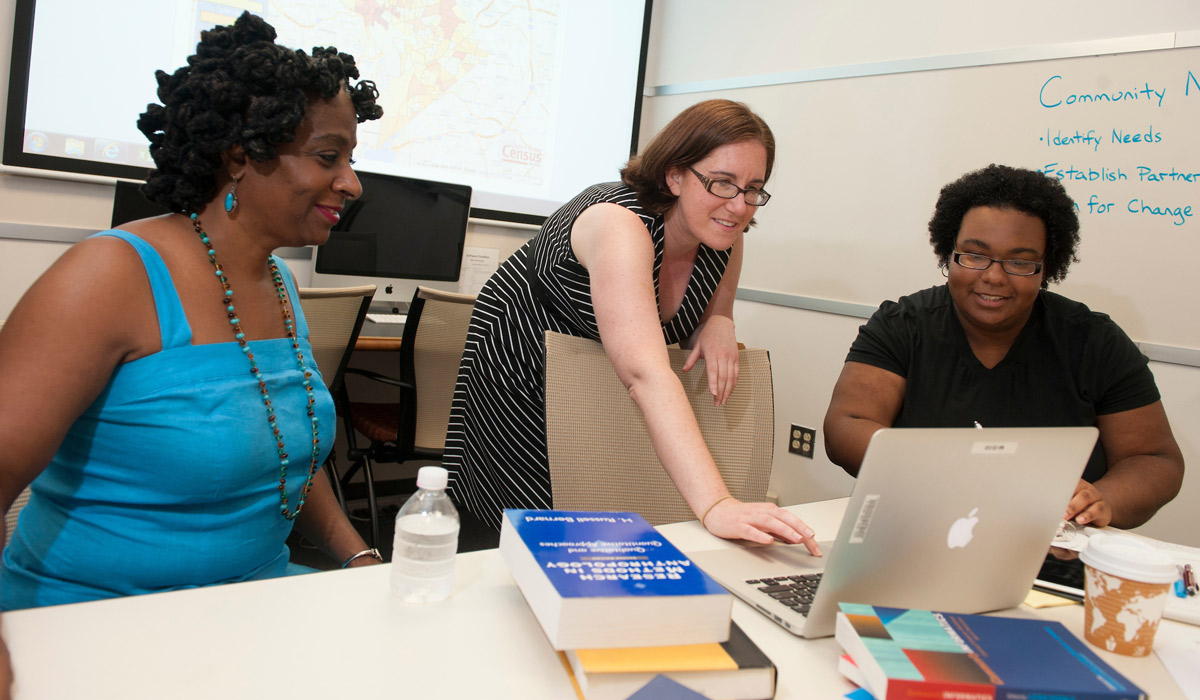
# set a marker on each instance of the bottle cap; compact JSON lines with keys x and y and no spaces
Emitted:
{"x":432,"y":478}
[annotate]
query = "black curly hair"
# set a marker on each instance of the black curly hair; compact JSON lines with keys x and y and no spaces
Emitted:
{"x":1004,"y":187}
{"x":240,"y":88}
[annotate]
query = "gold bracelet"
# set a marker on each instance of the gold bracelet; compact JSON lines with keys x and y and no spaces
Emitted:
{"x":714,"y":505}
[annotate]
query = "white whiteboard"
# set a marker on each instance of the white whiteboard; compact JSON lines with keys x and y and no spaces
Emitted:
{"x":860,"y":162}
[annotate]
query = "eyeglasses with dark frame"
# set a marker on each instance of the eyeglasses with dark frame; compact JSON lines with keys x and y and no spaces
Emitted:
{"x":725,"y":189}
{"x":975,"y":261}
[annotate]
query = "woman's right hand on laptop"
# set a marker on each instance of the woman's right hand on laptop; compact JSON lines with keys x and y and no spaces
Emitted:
{"x":763,"y":523}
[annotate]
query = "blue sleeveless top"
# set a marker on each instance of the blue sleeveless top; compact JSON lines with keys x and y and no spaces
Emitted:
{"x":170,"y":478}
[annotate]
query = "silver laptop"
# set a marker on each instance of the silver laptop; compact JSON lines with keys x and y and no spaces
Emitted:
{"x":950,"y":519}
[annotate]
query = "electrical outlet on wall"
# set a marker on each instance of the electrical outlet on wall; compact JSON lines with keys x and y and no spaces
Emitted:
{"x":802,"y":441}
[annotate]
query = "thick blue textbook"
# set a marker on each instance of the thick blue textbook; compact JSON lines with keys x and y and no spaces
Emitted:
{"x":598,"y":580}
{"x":946,"y":656}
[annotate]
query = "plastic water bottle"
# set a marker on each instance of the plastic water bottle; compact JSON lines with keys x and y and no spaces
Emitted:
{"x":426,"y":541}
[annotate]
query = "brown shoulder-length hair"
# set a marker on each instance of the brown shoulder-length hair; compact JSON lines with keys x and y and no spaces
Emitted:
{"x":691,"y":136}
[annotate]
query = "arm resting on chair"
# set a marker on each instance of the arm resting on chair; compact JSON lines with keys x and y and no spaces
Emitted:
{"x":715,"y":341}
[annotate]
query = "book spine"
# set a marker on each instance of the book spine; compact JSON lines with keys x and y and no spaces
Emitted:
{"x":899,"y":689}
{"x":1034,"y":693}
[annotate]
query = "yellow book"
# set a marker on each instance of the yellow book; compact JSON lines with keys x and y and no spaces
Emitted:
{"x":736,"y":669}
{"x":684,"y":657}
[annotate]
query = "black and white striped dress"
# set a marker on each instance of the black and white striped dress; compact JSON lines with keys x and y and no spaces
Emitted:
{"x":496,"y":439}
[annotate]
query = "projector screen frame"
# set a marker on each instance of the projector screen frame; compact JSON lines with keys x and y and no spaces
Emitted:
{"x":15,"y":156}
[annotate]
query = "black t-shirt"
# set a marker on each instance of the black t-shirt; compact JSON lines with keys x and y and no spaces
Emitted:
{"x":1067,"y":366}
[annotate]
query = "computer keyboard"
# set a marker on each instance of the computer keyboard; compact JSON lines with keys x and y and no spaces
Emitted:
{"x":1061,"y":576}
{"x":796,"y":591}
{"x":1064,"y":572}
{"x":387,"y":318}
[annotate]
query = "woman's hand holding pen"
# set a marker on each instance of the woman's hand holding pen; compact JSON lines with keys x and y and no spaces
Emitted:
{"x":1088,"y":506}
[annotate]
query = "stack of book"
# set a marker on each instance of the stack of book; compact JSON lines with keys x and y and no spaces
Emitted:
{"x":624,"y":605}
{"x":895,"y":653}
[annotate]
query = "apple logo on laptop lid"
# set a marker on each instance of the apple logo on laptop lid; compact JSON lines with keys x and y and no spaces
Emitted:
{"x":962,"y":531}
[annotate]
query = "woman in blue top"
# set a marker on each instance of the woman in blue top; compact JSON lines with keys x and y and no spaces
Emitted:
{"x":160,"y":391}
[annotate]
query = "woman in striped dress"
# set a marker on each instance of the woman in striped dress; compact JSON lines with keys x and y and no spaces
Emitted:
{"x":638,"y":264}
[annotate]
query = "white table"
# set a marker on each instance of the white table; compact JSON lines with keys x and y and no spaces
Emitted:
{"x":340,"y":635}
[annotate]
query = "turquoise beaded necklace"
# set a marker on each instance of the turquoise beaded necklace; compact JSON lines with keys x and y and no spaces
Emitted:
{"x":240,"y":337}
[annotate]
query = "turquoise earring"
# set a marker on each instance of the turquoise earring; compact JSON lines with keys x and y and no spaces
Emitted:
{"x":231,"y":198}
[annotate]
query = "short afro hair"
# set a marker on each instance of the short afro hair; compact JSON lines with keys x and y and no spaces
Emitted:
{"x":240,"y":88}
{"x":1004,"y":187}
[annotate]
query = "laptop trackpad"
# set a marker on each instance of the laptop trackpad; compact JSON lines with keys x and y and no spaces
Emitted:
{"x":751,"y":562}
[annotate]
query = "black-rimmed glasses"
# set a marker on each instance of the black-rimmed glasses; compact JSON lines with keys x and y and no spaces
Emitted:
{"x":975,"y":261}
{"x":727,"y":190}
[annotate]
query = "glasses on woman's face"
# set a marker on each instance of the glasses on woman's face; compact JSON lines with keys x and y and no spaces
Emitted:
{"x":725,"y":189}
{"x":975,"y":261}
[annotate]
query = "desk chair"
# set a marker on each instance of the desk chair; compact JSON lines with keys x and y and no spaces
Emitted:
{"x":600,"y":453}
{"x":14,"y":512}
{"x":414,"y":426}
{"x":335,"y":317}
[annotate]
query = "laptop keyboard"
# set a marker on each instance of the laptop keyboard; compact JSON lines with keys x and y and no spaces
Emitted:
{"x":796,"y":592}
{"x":1067,"y":573}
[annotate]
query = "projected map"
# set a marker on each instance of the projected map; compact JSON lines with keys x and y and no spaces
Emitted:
{"x":526,"y":101}
{"x":468,"y":87}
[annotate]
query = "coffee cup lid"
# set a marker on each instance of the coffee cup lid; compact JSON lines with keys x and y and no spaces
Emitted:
{"x":1129,"y":558}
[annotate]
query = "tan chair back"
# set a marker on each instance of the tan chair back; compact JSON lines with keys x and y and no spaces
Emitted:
{"x":437,"y":347}
{"x":334,"y":318}
{"x":14,"y":512}
{"x":600,"y":453}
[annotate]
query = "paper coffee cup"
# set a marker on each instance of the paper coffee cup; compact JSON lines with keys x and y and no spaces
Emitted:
{"x":1126,"y":587}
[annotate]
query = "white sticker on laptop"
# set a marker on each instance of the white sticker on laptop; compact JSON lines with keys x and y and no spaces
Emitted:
{"x":865,"y":512}
{"x":993,"y":447}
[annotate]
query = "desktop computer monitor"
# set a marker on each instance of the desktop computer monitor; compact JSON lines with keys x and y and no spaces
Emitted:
{"x":401,"y":228}
{"x":400,"y":233}
{"x":130,"y":205}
